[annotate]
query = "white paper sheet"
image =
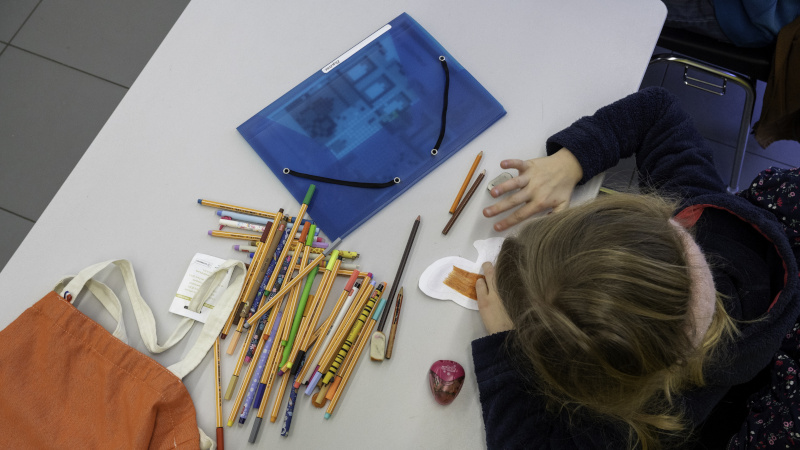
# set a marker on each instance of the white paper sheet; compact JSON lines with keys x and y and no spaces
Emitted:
{"x":431,"y":282}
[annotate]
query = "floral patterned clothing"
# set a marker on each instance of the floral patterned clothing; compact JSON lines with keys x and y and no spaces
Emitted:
{"x":774,"y":412}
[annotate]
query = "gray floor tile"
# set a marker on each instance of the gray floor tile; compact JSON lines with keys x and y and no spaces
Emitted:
{"x":13,"y":14}
{"x":49,"y":116}
{"x":112,"y":39}
{"x":14,"y":229}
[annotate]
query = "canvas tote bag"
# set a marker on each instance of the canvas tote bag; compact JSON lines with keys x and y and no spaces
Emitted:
{"x":66,"y":382}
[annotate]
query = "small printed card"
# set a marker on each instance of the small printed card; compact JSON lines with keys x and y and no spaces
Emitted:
{"x":199,"y":270}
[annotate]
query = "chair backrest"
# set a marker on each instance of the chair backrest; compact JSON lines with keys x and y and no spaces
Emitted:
{"x":754,"y":63}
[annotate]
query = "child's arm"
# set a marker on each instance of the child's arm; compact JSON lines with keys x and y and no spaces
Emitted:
{"x":515,"y":417}
{"x":670,"y":153}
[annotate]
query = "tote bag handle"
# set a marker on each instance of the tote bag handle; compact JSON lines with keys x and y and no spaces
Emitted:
{"x":144,"y":315}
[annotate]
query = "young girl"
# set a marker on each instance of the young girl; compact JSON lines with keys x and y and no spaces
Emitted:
{"x":637,"y":321}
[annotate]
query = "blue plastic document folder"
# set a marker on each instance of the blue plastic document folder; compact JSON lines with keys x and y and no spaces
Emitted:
{"x":372,"y":117}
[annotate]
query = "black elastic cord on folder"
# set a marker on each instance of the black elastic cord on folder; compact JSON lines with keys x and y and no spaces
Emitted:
{"x":444,"y":104}
{"x":358,"y":184}
{"x":395,"y":180}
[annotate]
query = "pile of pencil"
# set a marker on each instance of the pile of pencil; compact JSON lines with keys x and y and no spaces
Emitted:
{"x":278,"y":320}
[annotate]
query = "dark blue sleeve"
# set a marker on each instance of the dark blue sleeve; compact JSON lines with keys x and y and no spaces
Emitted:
{"x":671,"y":155}
{"x":516,"y":417}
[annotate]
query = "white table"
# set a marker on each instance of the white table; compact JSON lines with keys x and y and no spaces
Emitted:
{"x":173,"y":140}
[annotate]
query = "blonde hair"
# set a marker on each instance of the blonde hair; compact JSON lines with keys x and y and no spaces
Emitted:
{"x":599,"y":296}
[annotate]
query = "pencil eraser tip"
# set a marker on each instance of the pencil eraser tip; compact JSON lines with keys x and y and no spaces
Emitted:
{"x":209,"y":232}
{"x":236,"y":247}
{"x":327,"y":416}
{"x":200,"y":201}
{"x":296,"y":385}
{"x":230,"y":423}
{"x":280,"y":373}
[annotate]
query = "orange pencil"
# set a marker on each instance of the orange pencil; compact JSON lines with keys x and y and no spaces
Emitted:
{"x":464,"y":202}
{"x":466,"y":182}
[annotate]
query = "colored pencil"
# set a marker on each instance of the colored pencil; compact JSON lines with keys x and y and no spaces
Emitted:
{"x":237,"y":369}
{"x":218,"y":386}
{"x":463,"y":203}
{"x":310,"y":317}
{"x":300,"y":312}
{"x":256,"y":271}
{"x":390,"y":344}
{"x":466,"y":182}
{"x":352,"y":356}
{"x":238,"y":209}
{"x":352,"y":336}
{"x":351,"y":368}
{"x":341,"y":333}
{"x":286,"y":287}
{"x":333,"y":320}
{"x":399,"y":273}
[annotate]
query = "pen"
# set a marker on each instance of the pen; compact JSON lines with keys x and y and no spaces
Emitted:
{"x":349,"y":370}
{"x":333,"y":321}
{"x":353,"y":335}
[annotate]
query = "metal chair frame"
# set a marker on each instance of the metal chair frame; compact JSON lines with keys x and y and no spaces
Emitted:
{"x":725,"y":76}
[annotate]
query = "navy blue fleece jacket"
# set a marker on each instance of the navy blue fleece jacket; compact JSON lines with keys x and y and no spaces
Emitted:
{"x":752,"y":263}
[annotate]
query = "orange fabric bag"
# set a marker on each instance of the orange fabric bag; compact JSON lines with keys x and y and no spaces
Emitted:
{"x":66,"y":382}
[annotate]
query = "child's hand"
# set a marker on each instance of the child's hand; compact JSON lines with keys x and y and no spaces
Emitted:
{"x":542,"y":183}
{"x":493,"y":313}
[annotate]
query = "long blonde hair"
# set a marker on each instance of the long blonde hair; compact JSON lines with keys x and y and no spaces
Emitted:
{"x":599,"y":296}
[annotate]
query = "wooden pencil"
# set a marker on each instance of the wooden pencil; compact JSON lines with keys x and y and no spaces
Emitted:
{"x":390,"y":344}
{"x":359,"y":348}
{"x":218,"y":406}
{"x":257,"y":270}
{"x":325,"y":328}
{"x":284,"y":289}
{"x":466,"y":182}
{"x":463,"y":202}
{"x":400,"y":269}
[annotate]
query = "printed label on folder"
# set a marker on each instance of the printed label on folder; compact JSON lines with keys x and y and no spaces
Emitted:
{"x":355,"y":49}
{"x":199,"y":270}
